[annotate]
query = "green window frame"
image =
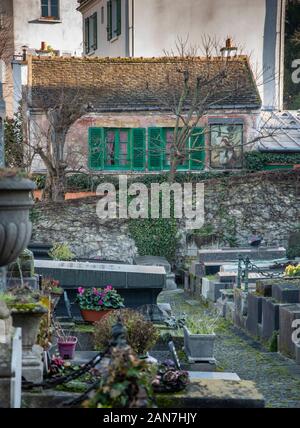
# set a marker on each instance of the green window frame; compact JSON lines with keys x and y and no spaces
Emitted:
{"x":106,"y":149}
{"x":158,"y":149}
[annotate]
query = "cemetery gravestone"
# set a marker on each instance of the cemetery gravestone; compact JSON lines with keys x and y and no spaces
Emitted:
{"x":286,"y":293}
{"x":287,"y":315}
{"x":254,"y":314}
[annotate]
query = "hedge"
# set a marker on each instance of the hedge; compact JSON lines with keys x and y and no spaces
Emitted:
{"x":257,"y":161}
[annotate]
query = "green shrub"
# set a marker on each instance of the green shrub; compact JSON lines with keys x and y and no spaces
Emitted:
{"x":273,"y":342}
{"x":61,"y":251}
{"x":141,"y":334}
{"x":257,"y":161}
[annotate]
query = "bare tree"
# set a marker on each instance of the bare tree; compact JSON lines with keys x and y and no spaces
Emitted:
{"x":60,"y":108}
{"x":201,"y":85}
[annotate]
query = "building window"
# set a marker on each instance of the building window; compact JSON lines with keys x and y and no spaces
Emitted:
{"x":117,"y":148}
{"x":50,"y":9}
{"x":226,"y":146}
{"x":161,"y":144}
{"x":91,"y":33}
{"x":113,"y":18}
{"x":102,"y":15}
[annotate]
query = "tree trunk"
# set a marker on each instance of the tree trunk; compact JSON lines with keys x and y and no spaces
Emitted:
{"x":173,"y":169}
{"x":55,"y":186}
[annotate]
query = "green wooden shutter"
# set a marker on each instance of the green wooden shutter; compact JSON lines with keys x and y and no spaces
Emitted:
{"x":109,"y":20}
{"x":96,"y":148}
{"x":197,"y":142}
{"x":155,"y":149}
{"x":119,"y":18}
{"x":95,"y":31}
{"x":138,"y":141}
{"x":87,"y":35}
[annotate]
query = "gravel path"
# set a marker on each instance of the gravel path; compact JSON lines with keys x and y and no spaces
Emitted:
{"x":277,"y":378}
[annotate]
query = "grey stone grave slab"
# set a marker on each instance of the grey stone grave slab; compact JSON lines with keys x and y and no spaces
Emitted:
{"x":286,"y":293}
{"x":139,"y":285}
{"x":214,"y":393}
{"x":227,"y":277}
{"x":240,"y":307}
{"x":254,"y":314}
{"x":213,"y":375}
{"x":232,"y":254}
{"x":270,"y":316}
{"x":287,"y":314}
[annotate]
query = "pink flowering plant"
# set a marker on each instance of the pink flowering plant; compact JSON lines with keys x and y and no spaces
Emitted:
{"x":98,"y":299}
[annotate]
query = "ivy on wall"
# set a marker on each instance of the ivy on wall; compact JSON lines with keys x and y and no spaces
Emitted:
{"x":257,"y":161}
{"x":85,"y":182}
{"x":155,"y":237}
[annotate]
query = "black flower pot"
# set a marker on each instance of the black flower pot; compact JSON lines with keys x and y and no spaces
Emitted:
{"x":15,"y":226}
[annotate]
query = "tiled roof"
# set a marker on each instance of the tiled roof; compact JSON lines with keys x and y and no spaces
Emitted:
{"x":144,"y":83}
{"x":281,"y":131}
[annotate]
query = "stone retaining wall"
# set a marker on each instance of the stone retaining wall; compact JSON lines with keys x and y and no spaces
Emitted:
{"x":267,"y":204}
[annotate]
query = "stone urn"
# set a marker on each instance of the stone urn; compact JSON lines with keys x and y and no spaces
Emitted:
{"x":29,"y":321}
{"x":15,"y":226}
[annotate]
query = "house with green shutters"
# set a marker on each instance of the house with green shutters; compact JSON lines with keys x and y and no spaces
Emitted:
{"x":130,"y":119}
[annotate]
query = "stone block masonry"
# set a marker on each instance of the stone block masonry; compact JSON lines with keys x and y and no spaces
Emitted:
{"x":263,"y":203}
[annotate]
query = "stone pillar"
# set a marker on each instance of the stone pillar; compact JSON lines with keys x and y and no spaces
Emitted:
{"x":10,"y":361}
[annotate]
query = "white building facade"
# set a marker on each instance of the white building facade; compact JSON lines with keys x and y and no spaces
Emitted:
{"x":147,"y":28}
{"x":55,"y":22}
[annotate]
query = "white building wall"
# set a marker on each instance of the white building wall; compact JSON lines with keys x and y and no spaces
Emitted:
{"x":114,"y":47}
{"x":65,"y":35}
{"x":158,"y":23}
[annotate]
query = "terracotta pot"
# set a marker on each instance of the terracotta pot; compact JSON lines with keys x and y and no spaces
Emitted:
{"x":94,"y":316}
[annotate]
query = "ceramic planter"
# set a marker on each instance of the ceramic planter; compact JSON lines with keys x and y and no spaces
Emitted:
{"x":15,"y":226}
{"x":94,"y":316}
{"x":66,"y":347}
{"x":199,"y":347}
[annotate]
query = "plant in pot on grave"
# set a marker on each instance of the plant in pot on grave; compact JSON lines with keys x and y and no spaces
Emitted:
{"x":97,"y":303}
{"x":27,"y":311}
{"x":66,"y":343}
{"x":141,"y":334}
{"x":292,"y":271}
{"x":51,"y":288}
{"x":199,"y":339}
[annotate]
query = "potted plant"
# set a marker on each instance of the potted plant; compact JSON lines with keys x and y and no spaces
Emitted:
{"x":199,"y":339}
{"x":66,"y":343}
{"x":96,"y":303}
{"x":15,"y":203}
{"x":27,"y":311}
{"x":141,"y":334}
{"x":51,"y":287}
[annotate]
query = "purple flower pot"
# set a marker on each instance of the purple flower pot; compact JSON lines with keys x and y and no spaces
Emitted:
{"x":67,"y":347}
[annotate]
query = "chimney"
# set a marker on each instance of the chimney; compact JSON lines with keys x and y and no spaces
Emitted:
{"x":24,"y":54}
{"x":228,"y":43}
{"x":43,"y":46}
{"x":229,"y":47}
